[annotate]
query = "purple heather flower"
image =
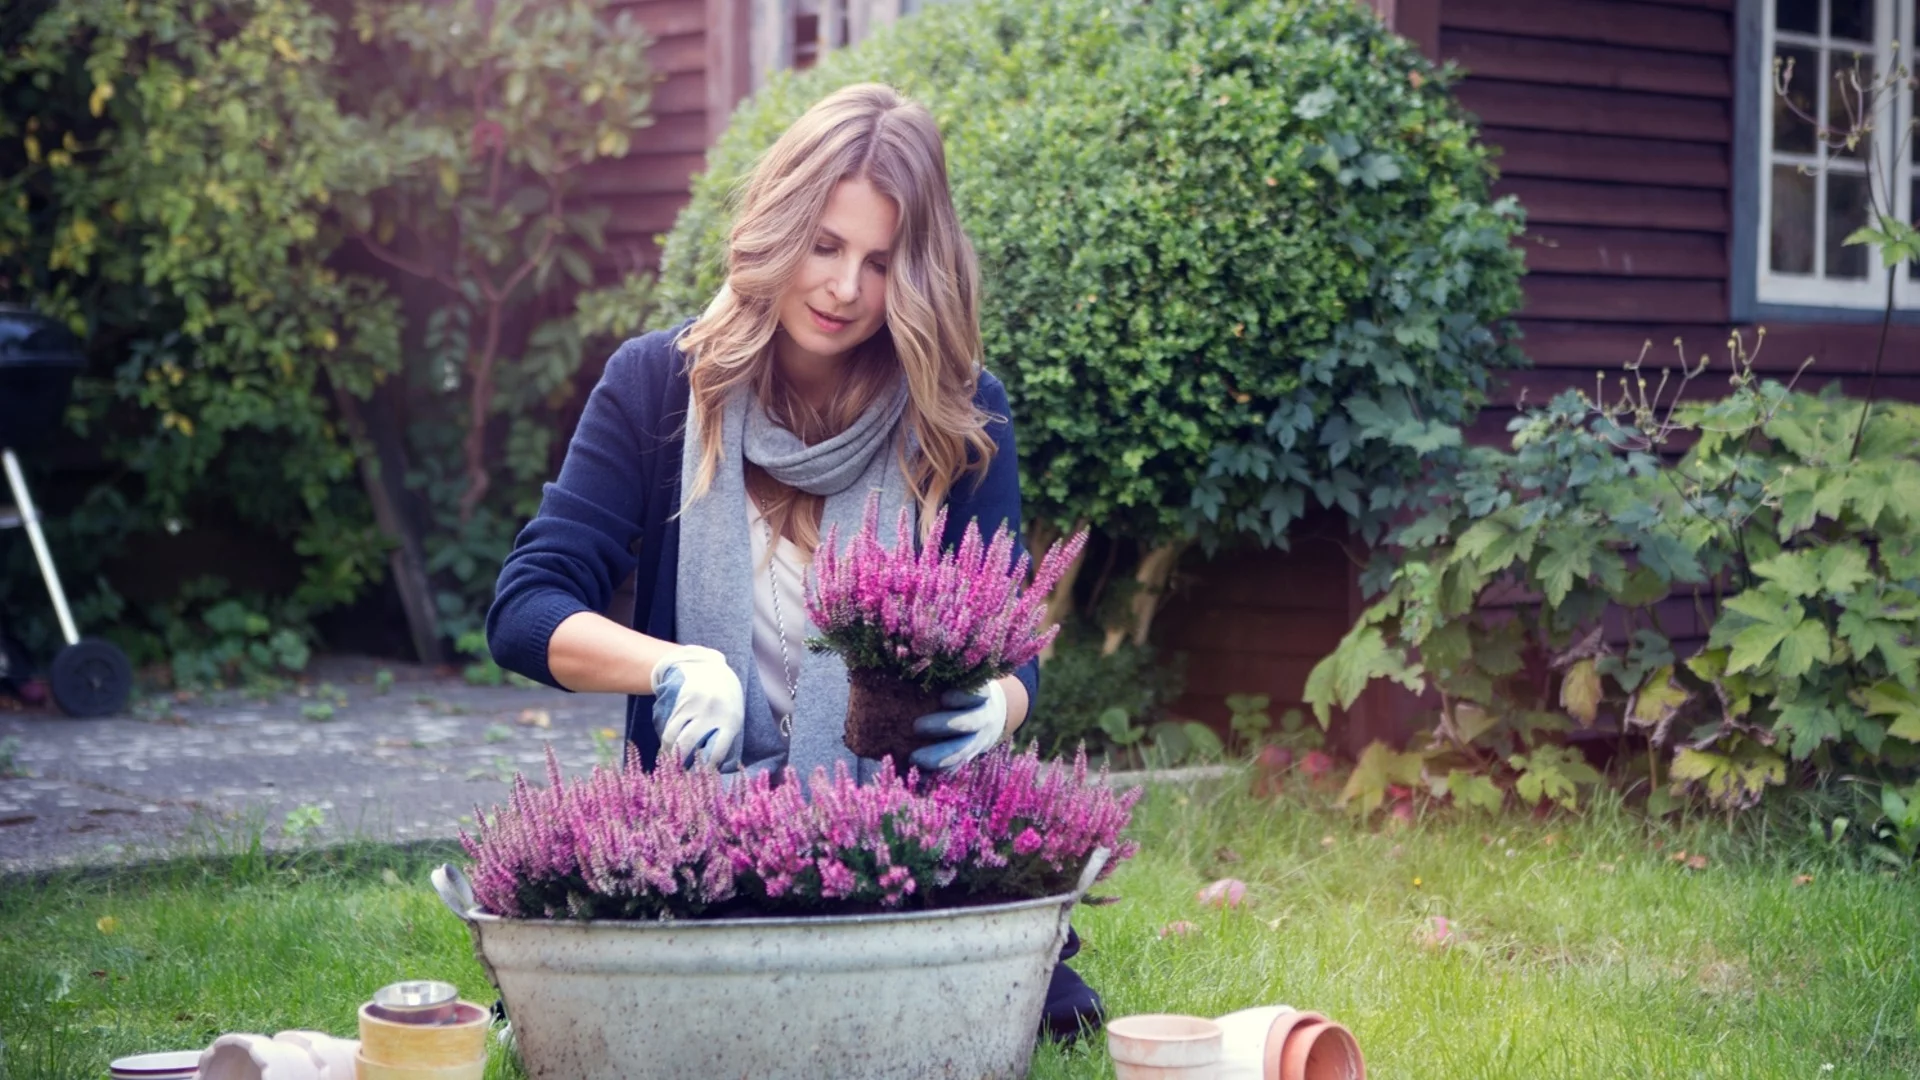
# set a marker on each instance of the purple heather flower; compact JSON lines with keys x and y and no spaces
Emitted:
{"x":676,"y":843}
{"x":947,"y":620}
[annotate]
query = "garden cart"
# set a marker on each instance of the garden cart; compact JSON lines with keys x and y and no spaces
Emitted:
{"x":38,"y":362}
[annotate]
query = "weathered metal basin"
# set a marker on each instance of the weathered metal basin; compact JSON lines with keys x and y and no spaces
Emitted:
{"x":954,"y":993}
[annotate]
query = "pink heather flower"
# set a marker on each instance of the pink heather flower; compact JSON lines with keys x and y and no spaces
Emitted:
{"x":945,"y":620}
{"x":676,"y":843}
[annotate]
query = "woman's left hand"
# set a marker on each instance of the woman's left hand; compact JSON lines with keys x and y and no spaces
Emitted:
{"x":975,"y":721}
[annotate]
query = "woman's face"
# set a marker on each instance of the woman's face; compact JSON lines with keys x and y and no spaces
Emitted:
{"x":838,"y":298}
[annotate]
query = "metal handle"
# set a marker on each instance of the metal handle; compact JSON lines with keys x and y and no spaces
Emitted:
{"x":1095,"y":863}
{"x":455,"y":891}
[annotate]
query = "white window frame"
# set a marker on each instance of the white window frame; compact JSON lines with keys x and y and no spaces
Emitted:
{"x":1891,"y":20}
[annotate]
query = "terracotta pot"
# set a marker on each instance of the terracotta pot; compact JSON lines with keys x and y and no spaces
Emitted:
{"x":881,"y":710}
{"x":1164,"y":1046}
{"x":1321,"y":1050}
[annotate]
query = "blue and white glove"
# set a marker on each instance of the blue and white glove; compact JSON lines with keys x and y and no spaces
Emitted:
{"x":698,"y":705}
{"x":977,"y":720}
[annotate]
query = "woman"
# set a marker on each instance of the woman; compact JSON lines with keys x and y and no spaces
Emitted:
{"x":841,"y":358}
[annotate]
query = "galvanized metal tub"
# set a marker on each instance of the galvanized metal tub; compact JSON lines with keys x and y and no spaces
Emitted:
{"x":952,"y":993}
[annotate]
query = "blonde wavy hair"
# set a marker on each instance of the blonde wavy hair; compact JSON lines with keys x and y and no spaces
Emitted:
{"x":932,"y":328}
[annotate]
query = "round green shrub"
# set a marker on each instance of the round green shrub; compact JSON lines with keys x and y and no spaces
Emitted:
{"x":1232,"y":253}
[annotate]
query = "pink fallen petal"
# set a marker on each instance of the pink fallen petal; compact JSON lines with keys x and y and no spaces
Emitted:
{"x":1225,"y":893}
{"x":1178,"y":928}
{"x":1438,"y":933}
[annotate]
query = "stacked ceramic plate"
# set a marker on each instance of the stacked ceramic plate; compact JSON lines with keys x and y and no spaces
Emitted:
{"x":178,"y":1065}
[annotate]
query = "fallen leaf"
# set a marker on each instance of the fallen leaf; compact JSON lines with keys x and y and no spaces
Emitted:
{"x":1178,"y":928}
{"x":539,"y":718}
{"x":1226,"y":855}
{"x":1697,"y":862}
{"x":1803,"y":879}
{"x":1326,"y":841}
{"x":1225,"y":893}
{"x":98,"y":974}
{"x":1605,"y":867}
{"x":107,"y":924}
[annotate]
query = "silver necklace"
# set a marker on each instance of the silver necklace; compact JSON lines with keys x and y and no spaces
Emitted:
{"x":780,"y":624}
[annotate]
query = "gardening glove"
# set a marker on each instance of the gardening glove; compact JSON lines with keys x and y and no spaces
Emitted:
{"x":977,"y":720}
{"x":698,"y":705}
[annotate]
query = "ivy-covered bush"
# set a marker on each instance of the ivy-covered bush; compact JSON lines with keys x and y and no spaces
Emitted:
{"x":1234,"y":255}
{"x":1788,"y":533}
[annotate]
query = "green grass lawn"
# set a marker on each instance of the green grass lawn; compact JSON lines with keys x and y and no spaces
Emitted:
{"x":1582,"y":947}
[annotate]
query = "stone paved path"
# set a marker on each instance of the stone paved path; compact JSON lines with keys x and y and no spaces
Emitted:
{"x":342,"y":759}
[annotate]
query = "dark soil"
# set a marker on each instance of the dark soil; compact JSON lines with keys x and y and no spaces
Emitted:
{"x":881,"y":709}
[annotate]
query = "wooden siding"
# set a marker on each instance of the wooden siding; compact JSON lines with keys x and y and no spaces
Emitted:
{"x":1615,"y":122}
{"x":699,"y":54}
{"x":1255,"y":622}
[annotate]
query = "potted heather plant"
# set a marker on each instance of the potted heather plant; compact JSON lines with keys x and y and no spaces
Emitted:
{"x":912,"y":622}
{"x":679,"y":923}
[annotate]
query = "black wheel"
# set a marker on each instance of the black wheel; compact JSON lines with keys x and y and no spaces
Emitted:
{"x":91,"y":677}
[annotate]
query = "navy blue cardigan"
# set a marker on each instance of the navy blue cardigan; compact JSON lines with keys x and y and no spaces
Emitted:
{"x":620,"y":483}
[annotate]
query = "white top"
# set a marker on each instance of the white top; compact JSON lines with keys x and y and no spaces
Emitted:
{"x":789,"y":570}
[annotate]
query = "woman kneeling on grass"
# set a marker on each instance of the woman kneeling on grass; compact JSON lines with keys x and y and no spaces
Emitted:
{"x":841,"y":358}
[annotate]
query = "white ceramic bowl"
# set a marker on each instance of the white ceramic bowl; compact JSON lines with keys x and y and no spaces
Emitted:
{"x":172,"y":1065}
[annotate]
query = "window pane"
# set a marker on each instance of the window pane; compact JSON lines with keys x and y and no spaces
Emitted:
{"x":1853,"y":19}
{"x":1846,"y":211}
{"x":1791,"y":133}
{"x":1848,"y":99}
{"x":1801,"y":15}
{"x":1791,"y":233}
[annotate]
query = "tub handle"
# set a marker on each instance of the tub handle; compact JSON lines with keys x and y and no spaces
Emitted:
{"x":1095,"y":863}
{"x":455,"y":891}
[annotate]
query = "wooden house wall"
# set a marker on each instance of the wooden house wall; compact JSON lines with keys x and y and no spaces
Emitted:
{"x":1615,"y":125}
{"x":699,"y":52}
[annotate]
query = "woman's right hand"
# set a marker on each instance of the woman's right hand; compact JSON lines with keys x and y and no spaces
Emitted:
{"x":698,"y":705}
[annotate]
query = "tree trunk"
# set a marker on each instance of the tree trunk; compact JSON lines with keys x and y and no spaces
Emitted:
{"x":1150,"y":580}
{"x":1042,"y":536}
{"x":406,"y":561}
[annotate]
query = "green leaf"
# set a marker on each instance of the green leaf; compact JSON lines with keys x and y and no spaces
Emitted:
{"x":1798,"y":572}
{"x":1802,"y":647}
{"x":1471,"y":721}
{"x":1475,"y":790}
{"x":1362,"y":656}
{"x":1752,"y":646}
{"x":1811,"y":724}
{"x":1379,"y":767}
{"x":1561,"y":566}
{"x":1900,"y":703}
{"x":1659,"y":699}
{"x":1580,"y":692}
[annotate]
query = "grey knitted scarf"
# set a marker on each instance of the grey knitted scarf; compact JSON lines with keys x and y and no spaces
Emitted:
{"x":714,"y":599}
